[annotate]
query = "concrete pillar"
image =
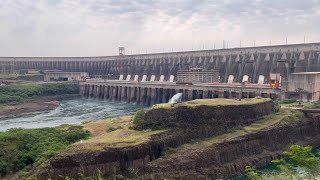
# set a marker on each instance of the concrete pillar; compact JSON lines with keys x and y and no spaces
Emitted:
{"x":93,"y":91}
{"x":100,"y":91}
{"x":140,"y":96}
{"x":114,"y":93}
{"x":124,"y":93}
{"x":129,"y":90}
{"x":96,"y":88}
{"x":245,"y":94}
{"x":90,"y":90}
{"x":171,"y":93}
{"x":106,"y":95}
{"x":153,"y":96}
{"x":185,"y":95}
{"x":85,"y":91}
{"x":82,"y":90}
{"x":148,"y":98}
{"x":119,"y":93}
{"x":133,"y":94}
{"x":159,"y":95}
{"x":164,"y":96}
{"x":205,"y":94}
{"x":240,"y":95}
{"x":190,"y":94}
{"x":143,"y":95}
{"x":96,"y":92}
{"x":220,"y":94}
{"x":110,"y":92}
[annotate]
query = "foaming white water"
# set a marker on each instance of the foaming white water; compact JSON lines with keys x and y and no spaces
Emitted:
{"x":70,"y":112}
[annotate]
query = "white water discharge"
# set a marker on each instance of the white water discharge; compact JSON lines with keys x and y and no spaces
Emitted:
{"x":70,"y":112}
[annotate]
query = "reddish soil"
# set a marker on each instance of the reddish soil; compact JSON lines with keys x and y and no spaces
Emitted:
{"x":27,"y":106}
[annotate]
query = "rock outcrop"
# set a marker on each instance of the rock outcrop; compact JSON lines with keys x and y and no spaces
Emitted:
{"x":232,"y":156}
{"x":212,"y":160}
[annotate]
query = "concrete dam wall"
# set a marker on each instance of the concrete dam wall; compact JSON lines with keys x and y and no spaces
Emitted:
{"x":251,"y":62}
{"x":153,"y":93}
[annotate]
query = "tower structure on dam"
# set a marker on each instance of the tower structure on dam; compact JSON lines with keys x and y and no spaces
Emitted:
{"x":251,"y":62}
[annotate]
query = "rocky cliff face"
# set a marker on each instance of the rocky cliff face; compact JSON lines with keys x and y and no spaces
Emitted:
{"x":187,"y":123}
{"x":110,"y":161}
{"x":221,"y":159}
{"x":204,"y":120}
{"x":231,"y":156}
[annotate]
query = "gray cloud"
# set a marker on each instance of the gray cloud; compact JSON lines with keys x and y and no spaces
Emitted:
{"x":98,"y":27}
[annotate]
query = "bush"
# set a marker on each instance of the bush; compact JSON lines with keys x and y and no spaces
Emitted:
{"x":288,"y":101}
{"x":277,"y":106}
{"x":313,"y":105}
{"x":113,"y":129}
{"x":138,"y":119}
{"x":23,"y":147}
{"x":299,"y":157}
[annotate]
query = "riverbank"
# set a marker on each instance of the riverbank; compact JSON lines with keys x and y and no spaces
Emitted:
{"x":19,"y":99}
{"x":31,"y":105}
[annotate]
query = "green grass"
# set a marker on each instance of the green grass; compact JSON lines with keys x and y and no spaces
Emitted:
{"x":22,"y":148}
{"x":214,"y":102}
{"x":312,"y":105}
{"x":8,"y":76}
{"x":114,"y":132}
{"x":18,"y":92}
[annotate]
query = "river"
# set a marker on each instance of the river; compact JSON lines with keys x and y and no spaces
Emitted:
{"x":72,"y":111}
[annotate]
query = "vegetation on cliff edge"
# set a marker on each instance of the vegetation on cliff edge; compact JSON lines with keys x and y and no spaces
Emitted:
{"x":302,"y":163}
{"x":214,"y":102}
{"x":21,"y":148}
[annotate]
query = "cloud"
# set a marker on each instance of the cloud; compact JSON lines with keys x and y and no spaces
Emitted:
{"x":98,"y":27}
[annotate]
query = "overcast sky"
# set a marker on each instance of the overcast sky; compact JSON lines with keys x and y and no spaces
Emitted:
{"x":98,"y":27}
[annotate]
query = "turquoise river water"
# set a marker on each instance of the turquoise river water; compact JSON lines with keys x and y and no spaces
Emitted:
{"x":72,"y":111}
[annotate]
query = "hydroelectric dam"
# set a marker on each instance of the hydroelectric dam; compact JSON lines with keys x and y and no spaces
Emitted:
{"x":250,"y":61}
{"x":149,"y":78}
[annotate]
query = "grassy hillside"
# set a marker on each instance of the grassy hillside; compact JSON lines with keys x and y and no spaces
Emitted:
{"x":114,"y":132}
{"x":214,"y":102}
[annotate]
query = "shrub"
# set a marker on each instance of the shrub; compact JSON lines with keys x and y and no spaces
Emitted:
{"x":277,"y":106}
{"x":299,"y":157}
{"x":313,"y":105}
{"x":138,"y":119}
{"x":288,"y":101}
{"x":113,"y":129}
